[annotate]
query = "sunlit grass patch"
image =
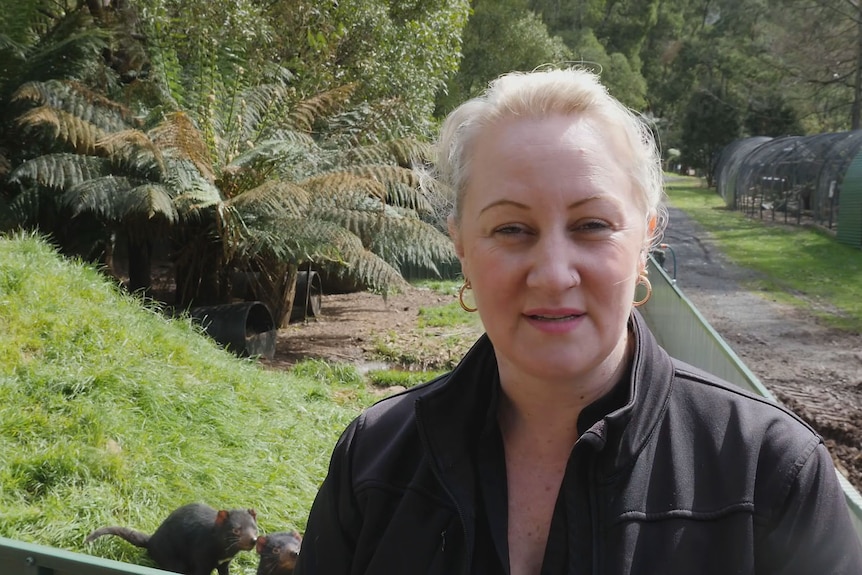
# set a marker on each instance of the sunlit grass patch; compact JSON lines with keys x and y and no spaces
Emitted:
{"x":113,"y":413}
{"x":805,"y":266}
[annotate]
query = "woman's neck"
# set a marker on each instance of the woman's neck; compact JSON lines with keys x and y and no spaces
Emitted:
{"x":551,"y":407}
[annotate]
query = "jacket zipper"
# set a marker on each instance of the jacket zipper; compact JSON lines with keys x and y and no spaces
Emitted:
{"x":435,"y":469}
{"x":594,"y":519}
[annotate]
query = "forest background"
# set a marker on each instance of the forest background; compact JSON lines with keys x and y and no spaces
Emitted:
{"x":234,"y":143}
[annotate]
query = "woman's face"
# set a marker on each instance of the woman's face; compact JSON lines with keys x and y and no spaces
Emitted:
{"x":551,"y":238}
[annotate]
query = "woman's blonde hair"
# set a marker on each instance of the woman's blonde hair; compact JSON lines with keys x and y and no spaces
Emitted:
{"x":539,"y":94}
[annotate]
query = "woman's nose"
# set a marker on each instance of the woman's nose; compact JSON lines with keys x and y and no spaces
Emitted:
{"x":553,"y":265}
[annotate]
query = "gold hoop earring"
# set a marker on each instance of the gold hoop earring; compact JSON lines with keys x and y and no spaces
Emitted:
{"x":643,"y":280}
{"x":464,"y":306}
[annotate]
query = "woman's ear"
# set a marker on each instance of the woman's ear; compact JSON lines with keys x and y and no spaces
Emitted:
{"x":455,"y":234}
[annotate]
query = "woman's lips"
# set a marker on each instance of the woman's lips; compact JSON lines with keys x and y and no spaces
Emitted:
{"x":554,"y":321}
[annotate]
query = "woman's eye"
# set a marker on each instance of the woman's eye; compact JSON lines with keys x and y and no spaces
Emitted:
{"x":592,"y":225}
{"x":509,"y":230}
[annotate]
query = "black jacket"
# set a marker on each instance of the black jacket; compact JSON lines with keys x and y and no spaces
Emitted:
{"x":692,"y":476}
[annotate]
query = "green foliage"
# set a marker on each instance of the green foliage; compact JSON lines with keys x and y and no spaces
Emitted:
{"x":772,"y":117}
{"x":450,"y":315}
{"x":710,"y":123}
{"x":387,"y":378}
{"x":500,"y":37}
{"x":446,"y":287}
{"x":115,"y":414}
{"x":803,"y":266}
{"x":623,"y":79}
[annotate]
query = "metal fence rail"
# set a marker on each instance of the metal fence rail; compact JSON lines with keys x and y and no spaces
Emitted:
{"x":687,"y":336}
{"x":20,"y":558}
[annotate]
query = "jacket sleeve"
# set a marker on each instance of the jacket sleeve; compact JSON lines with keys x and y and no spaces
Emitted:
{"x":813,"y":532}
{"x":329,"y":542}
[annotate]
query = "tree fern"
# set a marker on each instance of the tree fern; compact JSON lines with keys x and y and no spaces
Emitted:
{"x":342,"y":183}
{"x":413,"y":198}
{"x":293,"y":156}
{"x":178,"y":133}
{"x":79,"y":134}
{"x":132,"y":152}
{"x":404,"y":152}
{"x":305,"y":113}
{"x":119,"y":199}
{"x":357,"y":213}
{"x":60,"y":171}
{"x":78,"y":100}
{"x":274,"y":197}
{"x":407,"y":241}
{"x":332,"y":246}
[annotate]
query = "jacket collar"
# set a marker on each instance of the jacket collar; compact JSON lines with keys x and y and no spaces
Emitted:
{"x":452,"y":413}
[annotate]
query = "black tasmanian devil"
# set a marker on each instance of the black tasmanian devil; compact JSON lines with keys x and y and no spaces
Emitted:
{"x":278,"y":552}
{"x":194,"y":539}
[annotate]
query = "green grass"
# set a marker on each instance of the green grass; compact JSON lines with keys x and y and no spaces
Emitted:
{"x":111,"y":413}
{"x":386,"y":378}
{"x":446,"y":287}
{"x":449,"y":315}
{"x":803,"y":266}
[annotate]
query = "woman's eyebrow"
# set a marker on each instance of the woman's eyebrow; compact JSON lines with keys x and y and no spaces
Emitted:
{"x":513,"y":203}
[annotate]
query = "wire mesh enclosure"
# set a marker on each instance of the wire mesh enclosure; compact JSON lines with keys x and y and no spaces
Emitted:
{"x":793,"y":179}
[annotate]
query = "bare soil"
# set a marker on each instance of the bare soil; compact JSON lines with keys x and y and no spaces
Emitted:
{"x":813,"y":369}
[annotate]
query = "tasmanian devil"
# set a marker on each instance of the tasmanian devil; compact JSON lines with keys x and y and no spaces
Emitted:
{"x":278,"y":552}
{"x":194,"y":539}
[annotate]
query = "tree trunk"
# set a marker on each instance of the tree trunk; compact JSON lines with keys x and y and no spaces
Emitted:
{"x":288,"y":294}
{"x":277,"y":288}
{"x":140,"y":265}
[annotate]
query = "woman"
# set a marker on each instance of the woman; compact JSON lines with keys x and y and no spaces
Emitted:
{"x":566,"y":440}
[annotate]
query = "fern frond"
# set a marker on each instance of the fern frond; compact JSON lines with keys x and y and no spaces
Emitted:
{"x":11,"y":50}
{"x":294,"y":153}
{"x":386,"y":174}
{"x":81,"y":135}
{"x":78,"y":100}
{"x":258,"y":107}
{"x":326,"y":243}
{"x":404,"y":152}
{"x":193,"y":193}
{"x":178,"y":132}
{"x":61,"y":171}
{"x":357,"y":213}
{"x":133,"y":151}
{"x":25,"y":208}
{"x":304,"y":113}
{"x":338,"y":183}
{"x":410,"y":241}
{"x":122,"y":199}
{"x":404,"y":196}
{"x":75,"y":55}
{"x":273,"y":198}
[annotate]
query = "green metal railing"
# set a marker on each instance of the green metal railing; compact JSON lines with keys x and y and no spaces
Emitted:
{"x":20,"y":558}
{"x":687,"y":336}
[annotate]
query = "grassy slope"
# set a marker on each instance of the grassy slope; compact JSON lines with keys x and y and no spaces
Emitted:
{"x":803,"y":266}
{"x":113,"y":414}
